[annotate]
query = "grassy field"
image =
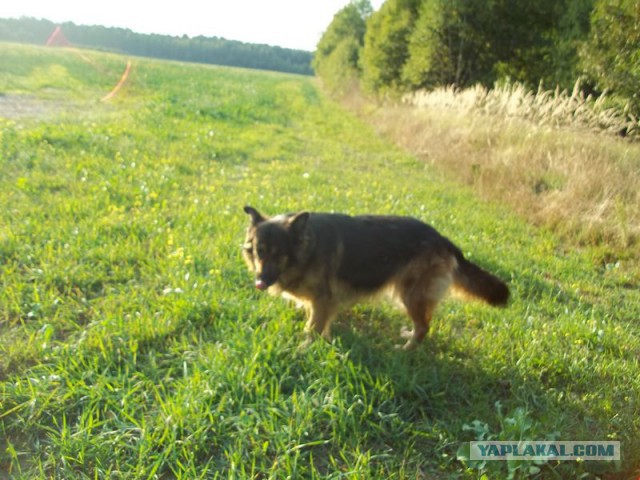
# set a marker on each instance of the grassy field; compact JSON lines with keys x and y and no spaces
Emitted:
{"x":132,"y":341}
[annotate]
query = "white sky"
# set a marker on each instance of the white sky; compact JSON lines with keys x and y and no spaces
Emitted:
{"x":287,"y":23}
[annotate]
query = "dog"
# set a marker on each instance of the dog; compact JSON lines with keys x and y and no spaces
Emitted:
{"x":327,"y":262}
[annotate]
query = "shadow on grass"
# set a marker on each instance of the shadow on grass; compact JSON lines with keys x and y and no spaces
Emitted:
{"x":443,"y":386}
{"x":435,"y":381}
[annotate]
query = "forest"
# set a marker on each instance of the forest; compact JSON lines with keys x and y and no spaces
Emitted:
{"x":408,"y":45}
{"x":218,"y":51}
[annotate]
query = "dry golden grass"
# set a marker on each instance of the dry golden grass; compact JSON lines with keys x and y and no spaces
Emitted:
{"x":522,"y":148}
{"x":545,"y":107}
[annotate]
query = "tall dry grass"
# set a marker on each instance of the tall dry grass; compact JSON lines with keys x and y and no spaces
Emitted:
{"x":557,"y":108}
{"x":536,"y":151}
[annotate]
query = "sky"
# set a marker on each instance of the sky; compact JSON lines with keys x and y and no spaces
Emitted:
{"x":287,"y":23}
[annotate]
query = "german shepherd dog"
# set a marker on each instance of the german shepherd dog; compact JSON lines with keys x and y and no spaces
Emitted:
{"x":327,"y":262}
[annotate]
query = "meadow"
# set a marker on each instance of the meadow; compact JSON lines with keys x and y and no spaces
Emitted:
{"x":132,"y":341}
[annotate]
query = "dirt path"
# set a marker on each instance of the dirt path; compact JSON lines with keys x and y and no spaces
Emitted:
{"x":15,"y":106}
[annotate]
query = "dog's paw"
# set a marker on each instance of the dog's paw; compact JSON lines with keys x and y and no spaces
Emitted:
{"x":306,"y":343}
{"x":406,"y":333}
{"x":411,"y":342}
{"x":410,"y":345}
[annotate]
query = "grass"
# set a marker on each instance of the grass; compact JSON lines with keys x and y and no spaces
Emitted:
{"x":133,"y":345}
{"x":537,"y":153}
{"x":543,"y":108}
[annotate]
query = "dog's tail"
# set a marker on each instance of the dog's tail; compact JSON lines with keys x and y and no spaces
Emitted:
{"x":476,"y":282}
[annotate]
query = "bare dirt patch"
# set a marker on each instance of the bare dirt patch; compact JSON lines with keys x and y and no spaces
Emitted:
{"x":16,"y":106}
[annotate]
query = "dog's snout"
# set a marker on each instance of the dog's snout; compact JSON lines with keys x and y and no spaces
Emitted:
{"x":265,"y":280}
{"x":266,"y":275}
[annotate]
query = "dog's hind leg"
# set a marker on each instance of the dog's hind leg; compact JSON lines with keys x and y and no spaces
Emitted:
{"x":420,"y":296}
{"x":421,"y":313}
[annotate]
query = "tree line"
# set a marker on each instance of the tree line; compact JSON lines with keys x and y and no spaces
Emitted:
{"x":199,"y":49}
{"x":415,"y":44}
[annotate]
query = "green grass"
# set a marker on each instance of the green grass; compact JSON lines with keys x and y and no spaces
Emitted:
{"x":132,"y":341}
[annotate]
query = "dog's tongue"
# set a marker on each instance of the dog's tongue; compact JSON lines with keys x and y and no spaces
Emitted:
{"x":260,"y":285}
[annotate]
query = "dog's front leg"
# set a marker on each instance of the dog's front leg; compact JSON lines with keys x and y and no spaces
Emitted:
{"x":321,"y":314}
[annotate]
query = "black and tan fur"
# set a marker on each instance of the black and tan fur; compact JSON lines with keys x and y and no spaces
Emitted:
{"x":328,"y":262}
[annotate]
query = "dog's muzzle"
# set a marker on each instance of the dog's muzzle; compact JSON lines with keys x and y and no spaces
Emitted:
{"x":264,"y":281}
{"x":266,"y":276}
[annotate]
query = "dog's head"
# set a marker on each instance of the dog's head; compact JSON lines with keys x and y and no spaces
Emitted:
{"x":271,"y":243}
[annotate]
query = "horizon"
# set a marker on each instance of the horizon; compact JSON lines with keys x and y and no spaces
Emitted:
{"x":267,"y":24}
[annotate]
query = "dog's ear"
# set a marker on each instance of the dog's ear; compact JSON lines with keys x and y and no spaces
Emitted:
{"x":256,"y":216}
{"x":298,"y":223}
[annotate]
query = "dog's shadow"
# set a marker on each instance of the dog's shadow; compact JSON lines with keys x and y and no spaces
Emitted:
{"x":436,"y":380}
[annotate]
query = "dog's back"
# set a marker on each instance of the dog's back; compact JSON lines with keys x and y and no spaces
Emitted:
{"x":372,"y":249}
